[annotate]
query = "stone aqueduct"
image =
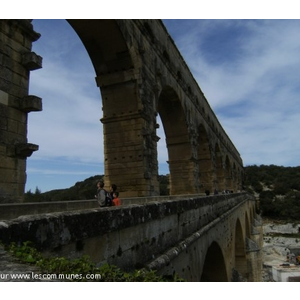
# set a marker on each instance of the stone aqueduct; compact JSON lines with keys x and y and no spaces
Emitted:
{"x":141,"y":74}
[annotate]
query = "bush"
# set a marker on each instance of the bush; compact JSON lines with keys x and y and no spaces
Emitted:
{"x":78,"y":269}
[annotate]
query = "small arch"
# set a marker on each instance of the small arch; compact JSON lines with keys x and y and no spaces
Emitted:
{"x":206,"y":174}
{"x":166,"y":56}
{"x":228,"y":175}
{"x":149,"y":30}
{"x":240,"y":251}
{"x":179,"y":76}
{"x":234,"y":177}
{"x":214,"y":268}
{"x":219,"y":169}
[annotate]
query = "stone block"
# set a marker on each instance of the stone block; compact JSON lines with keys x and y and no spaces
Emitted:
{"x":10,"y":175}
{"x":25,"y":150}
{"x":2,"y":152}
{"x":31,"y":103}
{"x":13,"y":126}
{"x":17,"y":115}
{"x":27,"y":104}
{"x":32,"y":61}
{"x":3,"y":98}
{"x":6,"y":162}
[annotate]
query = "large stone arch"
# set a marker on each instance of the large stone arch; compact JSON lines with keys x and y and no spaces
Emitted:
{"x":105,"y":44}
{"x":240,"y":251}
{"x":234,"y":177}
{"x":219,"y":169}
{"x":214,"y":268}
{"x":228,"y":174}
{"x":206,"y":169}
{"x":177,"y":141}
{"x":130,"y":152}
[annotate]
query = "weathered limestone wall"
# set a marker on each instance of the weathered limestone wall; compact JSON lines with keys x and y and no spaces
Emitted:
{"x":130,"y":236}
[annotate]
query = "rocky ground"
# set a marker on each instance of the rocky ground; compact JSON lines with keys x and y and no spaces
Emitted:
{"x":279,"y":240}
{"x":12,"y":270}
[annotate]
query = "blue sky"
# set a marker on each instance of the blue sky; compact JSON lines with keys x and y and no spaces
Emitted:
{"x":248,"y":69}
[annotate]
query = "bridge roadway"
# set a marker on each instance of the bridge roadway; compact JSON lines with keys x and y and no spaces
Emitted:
{"x":214,"y":238}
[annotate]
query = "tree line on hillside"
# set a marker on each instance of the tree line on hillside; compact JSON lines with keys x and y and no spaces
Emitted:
{"x":277,"y":187}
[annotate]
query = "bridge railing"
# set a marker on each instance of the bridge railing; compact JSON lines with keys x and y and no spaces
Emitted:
{"x":15,"y":210}
{"x":125,"y":235}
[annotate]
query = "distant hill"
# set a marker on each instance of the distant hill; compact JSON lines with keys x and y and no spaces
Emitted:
{"x":82,"y":190}
{"x":277,"y":187}
{"x":277,"y":178}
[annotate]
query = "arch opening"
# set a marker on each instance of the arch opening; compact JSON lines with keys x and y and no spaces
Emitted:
{"x":123,"y":143}
{"x":68,"y":130}
{"x":129,"y":145}
{"x":240,"y":252}
{"x":228,"y":175}
{"x":219,"y":169}
{"x":104,"y":43}
{"x":214,"y":269}
{"x":177,"y":142}
{"x":206,"y":171}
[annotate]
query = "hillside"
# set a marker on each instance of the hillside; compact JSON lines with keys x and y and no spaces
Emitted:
{"x":278,"y":189}
{"x":82,"y":190}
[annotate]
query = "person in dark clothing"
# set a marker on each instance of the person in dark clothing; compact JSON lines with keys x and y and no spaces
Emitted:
{"x":112,"y":190}
{"x":101,"y":194}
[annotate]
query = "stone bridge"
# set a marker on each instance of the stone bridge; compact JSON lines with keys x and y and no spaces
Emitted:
{"x":141,"y":74}
{"x":214,"y":238}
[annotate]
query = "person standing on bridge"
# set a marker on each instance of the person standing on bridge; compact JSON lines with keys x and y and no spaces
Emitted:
{"x":113,"y":189}
{"x":101,"y":194}
{"x":116,"y":200}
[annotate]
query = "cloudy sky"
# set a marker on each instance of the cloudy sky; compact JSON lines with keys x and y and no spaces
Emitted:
{"x":249,"y":71}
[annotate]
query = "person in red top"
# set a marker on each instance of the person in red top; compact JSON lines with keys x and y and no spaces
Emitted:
{"x":116,"y":201}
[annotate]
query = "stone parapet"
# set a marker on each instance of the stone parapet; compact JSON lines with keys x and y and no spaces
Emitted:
{"x":165,"y":232}
{"x":48,"y":231}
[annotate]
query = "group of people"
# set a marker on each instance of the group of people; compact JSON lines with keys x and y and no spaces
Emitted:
{"x":107,"y":198}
